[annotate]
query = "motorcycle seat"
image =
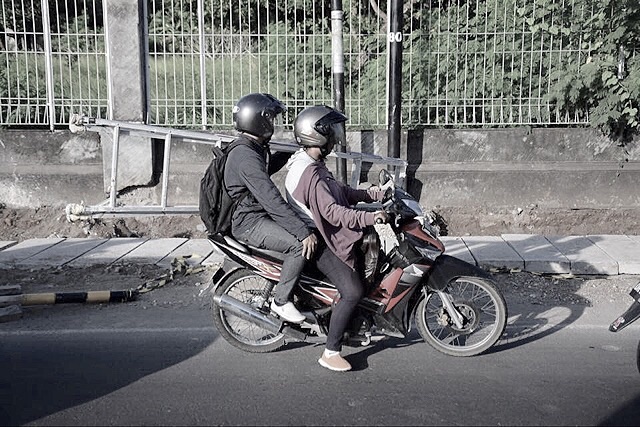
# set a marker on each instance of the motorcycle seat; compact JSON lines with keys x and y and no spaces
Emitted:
{"x":248,"y":249}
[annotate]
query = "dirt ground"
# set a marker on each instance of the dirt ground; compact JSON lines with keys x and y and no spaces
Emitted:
{"x":48,"y":221}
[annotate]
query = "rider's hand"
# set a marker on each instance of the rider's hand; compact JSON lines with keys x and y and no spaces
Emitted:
{"x":309,"y":245}
{"x":388,"y":194}
{"x":381,"y":217}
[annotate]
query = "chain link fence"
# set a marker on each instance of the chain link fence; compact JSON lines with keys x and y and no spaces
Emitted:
{"x":490,"y":63}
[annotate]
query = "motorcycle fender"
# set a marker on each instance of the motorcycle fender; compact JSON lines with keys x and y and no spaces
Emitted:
{"x":220,"y":275}
{"x":447,"y":268}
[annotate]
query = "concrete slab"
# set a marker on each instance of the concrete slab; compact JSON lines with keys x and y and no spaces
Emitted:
{"x":109,"y":252}
{"x":152,"y":251}
{"x":625,"y":250}
{"x":538,"y":254}
{"x":196,"y":249}
{"x":493,"y":252}
{"x":62,"y":253}
{"x":26,"y":249}
{"x":456,"y":247}
{"x":6,"y":244}
{"x":585,"y":257}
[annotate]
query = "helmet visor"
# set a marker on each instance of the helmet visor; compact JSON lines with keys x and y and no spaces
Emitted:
{"x":325,"y":124}
{"x":336,"y":135}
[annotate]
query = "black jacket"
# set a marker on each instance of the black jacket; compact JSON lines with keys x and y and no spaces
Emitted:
{"x":247,"y":168}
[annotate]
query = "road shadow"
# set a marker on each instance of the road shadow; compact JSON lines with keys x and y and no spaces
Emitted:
{"x":45,"y":374}
{"x":627,"y":415}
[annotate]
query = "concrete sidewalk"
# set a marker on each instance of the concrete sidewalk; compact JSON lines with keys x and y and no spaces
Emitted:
{"x":578,"y":255}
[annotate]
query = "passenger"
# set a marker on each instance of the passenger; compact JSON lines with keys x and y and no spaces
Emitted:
{"x":326,"y":204}
{"x":263,"y":218}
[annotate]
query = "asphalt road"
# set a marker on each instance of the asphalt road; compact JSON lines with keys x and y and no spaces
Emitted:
{"x":154,"y":364}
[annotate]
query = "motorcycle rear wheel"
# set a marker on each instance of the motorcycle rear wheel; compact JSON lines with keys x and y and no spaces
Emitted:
{"x":245,"y":286}
{"x":484,"y":311}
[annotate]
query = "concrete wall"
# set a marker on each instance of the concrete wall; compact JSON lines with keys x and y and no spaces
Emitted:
{"x":566,"y":168}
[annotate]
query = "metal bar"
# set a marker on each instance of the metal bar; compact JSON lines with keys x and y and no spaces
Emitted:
{"x":337,"y":64}
{"x":165,"y":169}
{"x":203,"y":73}
{"x":355,"y":175}
{"x":114,"y":167}
{"x":46,"y":27}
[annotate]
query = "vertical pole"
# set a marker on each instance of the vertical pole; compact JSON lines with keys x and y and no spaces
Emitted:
{"x":46,"y":27}
{"x":337,"y":65}
{"x":394,"y":39}
{"x":203,"y":73}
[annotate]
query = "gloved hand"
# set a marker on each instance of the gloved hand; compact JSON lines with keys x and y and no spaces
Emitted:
{"x":388,"y":194}
{"x":381,"y":217}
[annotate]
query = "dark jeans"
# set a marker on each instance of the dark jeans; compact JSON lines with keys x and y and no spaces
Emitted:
{"x":266,"y":234}
{"x":351,"y":290}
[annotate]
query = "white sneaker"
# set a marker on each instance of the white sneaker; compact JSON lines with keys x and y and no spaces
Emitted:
{"x":288,"y":312}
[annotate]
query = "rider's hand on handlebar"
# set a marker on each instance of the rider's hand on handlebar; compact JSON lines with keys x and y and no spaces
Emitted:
{"x":381,"y":217}
{"x":388,"y":194}
{"x":309,"y":245}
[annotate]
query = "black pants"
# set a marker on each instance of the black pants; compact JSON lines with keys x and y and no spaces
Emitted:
{"x":351,"y":290}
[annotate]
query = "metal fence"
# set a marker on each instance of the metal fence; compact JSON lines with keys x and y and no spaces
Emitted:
{"x":464,"y":63}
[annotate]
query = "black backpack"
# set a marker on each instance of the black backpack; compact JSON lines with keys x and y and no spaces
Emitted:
{"x":215,"y":205}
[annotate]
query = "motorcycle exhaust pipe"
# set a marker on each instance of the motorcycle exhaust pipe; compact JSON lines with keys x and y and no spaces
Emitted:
{"x":250,"y":314}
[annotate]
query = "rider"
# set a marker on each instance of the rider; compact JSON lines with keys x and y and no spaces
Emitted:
{"x":263,"y":218}
{"x":326,"y":204}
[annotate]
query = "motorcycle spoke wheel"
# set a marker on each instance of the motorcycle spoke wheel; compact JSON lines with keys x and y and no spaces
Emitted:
{"x":484,"y":313}
{"x":246,"y":287}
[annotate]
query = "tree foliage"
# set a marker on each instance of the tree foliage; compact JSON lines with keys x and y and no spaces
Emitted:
{"x":607,"y":82}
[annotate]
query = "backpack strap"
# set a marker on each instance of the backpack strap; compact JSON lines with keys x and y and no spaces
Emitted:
{"x":236,"y":142}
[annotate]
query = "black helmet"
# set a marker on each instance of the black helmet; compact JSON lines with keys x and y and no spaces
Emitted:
{"x":254,"y":113}
{"x":318,"y":125}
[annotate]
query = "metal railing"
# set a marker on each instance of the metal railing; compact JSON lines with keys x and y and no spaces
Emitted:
{"x":205,"y":54}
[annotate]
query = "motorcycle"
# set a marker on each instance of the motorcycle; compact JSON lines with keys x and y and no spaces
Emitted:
{"x":455,"y":306}
{"x":629,"y":316}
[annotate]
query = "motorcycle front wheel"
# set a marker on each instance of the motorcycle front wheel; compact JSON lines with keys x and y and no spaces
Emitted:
{"x":484,"y":313}
{"x":248,"y":288}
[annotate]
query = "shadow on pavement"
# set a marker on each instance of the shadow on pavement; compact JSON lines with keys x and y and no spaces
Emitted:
{"x":46,"y":374}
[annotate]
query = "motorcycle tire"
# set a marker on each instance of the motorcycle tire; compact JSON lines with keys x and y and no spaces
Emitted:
{"x":247,"y":287}
{"x":485,"y":317}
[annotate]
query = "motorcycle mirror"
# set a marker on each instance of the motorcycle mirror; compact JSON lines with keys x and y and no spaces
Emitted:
{"x":384,"y":177}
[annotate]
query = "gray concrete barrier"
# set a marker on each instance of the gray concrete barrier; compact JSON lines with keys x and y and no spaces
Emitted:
{"x":556,"y":168}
